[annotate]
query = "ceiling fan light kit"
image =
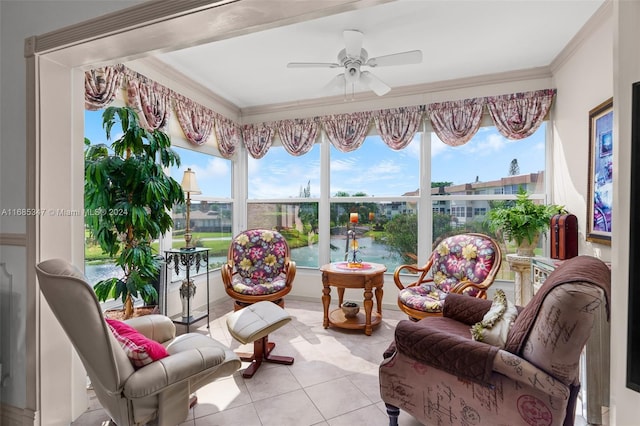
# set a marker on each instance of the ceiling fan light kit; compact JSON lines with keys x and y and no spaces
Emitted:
{"x":353,"y":57}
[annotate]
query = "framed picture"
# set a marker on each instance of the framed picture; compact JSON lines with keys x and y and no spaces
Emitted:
{"x":600,"y":191}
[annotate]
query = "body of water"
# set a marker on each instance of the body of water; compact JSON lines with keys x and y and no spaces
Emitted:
{"x":370,"y":251}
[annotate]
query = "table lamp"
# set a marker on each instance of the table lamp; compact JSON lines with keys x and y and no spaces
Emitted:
{"x":189,"y":186}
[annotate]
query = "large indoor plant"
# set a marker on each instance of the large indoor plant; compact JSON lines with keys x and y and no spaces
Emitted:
{"x":522,"y":221}
{"x":129,"y":197}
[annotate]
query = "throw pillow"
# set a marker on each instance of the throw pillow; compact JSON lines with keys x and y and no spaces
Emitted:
{"x":495,"y":324}
{"x":139,"y":349}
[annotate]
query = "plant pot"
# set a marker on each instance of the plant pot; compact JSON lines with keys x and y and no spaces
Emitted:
{"x":527,"y":249}
{"x":118,"y":314}
{"x":350,"y":311}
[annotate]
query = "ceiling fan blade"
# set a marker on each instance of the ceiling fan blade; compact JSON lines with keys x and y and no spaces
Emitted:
{"x":313,"y":65}
{"x":374,"y":83}
{"x":336,"y":82}
{"x":403,"y":58}
{"x":353,"y":43}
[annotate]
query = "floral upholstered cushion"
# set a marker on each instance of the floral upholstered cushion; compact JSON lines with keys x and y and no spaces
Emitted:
{"x":425,"y":298}
{"x":259,"y":256}
{"x":462,"y":258}
{"x":247,"y":286}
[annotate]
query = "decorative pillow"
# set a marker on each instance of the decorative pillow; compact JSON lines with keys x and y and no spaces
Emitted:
{"x":495,"y":324}
{"x":139,"y":349}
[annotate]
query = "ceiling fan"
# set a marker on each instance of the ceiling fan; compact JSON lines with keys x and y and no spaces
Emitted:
{"x":353,"y":57}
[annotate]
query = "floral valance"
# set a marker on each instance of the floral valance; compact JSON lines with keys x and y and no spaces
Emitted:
{"x":257,"y":138}
{"x":347,"y":131}
{"x":227,"y":134}
{"x":519,"y":115}
{"x":298,"y":136}
{"x":195,"y":120}
{"x":398,"y":126}
{"x":516,"y":116}
{"x":101,"y":86}
{"x":152,"y":102}
{"x":456,"y":122}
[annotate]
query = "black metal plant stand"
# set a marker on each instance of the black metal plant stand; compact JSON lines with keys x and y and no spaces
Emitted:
{"x":187,"y":260}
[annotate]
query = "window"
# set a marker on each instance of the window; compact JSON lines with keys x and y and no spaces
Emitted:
{"x":98,"y":266}
{"x":280,"y":175}
{"x":292,"y":186}
{"x":296,"y":221}
{"x":486,"y":169}
{"x":211,"y":213}
{"x":381,"y":185}
{"x":375,"y":170}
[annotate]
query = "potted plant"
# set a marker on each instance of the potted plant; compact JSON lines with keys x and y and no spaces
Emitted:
{"x":522,"y":221}
{"x":128,"y":198}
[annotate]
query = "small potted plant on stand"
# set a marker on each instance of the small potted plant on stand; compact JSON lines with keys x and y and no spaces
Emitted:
{"x":522,"y":221}
{"x":130,"y":197}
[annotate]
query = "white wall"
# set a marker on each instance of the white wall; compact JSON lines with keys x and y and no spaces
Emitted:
{"x":625,"y":402}
{"x":584,"y":80}
{"x":603,"y":66}
{"x":19,"y":20}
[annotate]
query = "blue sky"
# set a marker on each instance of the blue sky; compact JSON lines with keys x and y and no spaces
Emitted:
{"x":374,"y":168}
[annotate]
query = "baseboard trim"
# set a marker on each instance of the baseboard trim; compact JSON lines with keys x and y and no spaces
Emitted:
{"x":14,"y":416}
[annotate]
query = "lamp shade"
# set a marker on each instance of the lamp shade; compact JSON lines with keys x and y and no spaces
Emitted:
{"x":189,"y":183}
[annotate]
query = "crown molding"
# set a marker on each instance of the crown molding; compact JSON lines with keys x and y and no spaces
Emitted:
{"x":603,"y":13}
{"x":122,"y":20}
{"x":166,"y":75}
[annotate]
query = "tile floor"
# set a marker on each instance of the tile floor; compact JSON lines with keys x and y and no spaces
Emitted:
{"x":333,"y":381}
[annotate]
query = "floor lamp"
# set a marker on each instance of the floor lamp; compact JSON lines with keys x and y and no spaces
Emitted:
{"x":189,"y":186}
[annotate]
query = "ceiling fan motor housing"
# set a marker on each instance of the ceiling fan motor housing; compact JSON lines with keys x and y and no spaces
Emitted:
{"x":352,"y":64}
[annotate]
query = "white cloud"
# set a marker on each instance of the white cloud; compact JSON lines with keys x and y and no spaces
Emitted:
{"x":216,"y":167}
{"x":344,"y":165}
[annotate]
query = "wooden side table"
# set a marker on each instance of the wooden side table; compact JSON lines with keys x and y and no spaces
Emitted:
{"x":370,"y":277}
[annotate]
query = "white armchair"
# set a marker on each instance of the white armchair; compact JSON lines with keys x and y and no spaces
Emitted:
{"x":159,"y":390}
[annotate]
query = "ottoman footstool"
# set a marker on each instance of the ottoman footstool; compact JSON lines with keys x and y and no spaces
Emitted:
{"x":253,"y":324}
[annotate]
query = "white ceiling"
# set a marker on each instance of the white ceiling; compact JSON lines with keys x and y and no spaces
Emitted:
{"x":458,"y":39}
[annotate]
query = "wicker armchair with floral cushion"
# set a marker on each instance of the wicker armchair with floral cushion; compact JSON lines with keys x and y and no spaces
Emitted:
{"x":259,"y":267}
{"x":465,"y":263}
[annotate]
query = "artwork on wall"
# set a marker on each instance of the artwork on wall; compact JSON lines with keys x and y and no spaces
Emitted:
{"x":600,"y":192}
{"x":633,"y":320}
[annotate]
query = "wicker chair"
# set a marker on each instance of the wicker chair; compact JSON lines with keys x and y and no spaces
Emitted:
{"x":259,"y":267}
{"x":464,"y":263}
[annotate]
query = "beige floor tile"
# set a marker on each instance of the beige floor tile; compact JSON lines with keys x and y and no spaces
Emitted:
{"x":270,"y":382}
{"x":290,"y":409}
{"x":369,"y":415}
{"x":337,"y":397}
{"x":93,"y":418}
{"x":223,"y":394}
{"x":244,"y":415}
{"x":309,"y":373}
{"x":367,"y":382}
{"x":333,"y":381}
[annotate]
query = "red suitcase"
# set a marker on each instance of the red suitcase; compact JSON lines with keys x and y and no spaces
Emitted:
{"x":564,"y":236}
